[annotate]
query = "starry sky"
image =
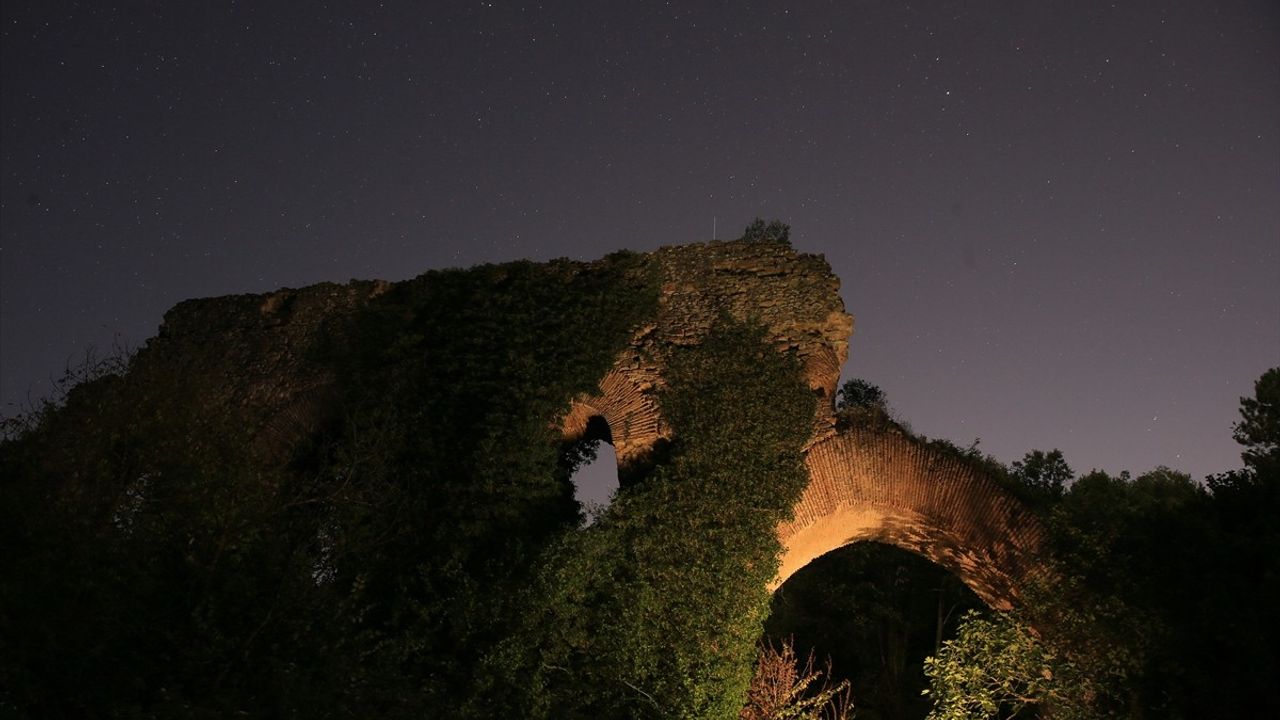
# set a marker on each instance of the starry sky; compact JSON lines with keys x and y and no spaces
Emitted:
{"x":1057,"y":223}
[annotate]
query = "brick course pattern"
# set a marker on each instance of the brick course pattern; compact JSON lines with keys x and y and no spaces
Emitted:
{"x":883,"y":486}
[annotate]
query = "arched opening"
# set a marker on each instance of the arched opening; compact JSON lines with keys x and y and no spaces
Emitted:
{"x":593,"y":468}
{"x":877,"y":611}
{"x":886,"y":487}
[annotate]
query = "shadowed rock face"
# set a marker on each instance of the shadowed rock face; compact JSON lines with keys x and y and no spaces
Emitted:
{"x":865,"y":484}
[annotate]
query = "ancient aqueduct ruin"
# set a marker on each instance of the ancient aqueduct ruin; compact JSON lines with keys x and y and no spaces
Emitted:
{"x":865,"y":483}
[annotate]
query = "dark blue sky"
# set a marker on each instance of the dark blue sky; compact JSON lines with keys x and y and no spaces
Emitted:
{"x":1057,"y":223}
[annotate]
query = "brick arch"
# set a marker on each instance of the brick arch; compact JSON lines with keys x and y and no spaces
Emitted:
{"x":881,"y":485}
{"x":628,"y":406}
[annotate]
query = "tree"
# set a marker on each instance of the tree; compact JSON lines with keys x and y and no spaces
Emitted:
{"x":1045,"y":474}
{"x":774,"y":231}
{"x":996,"y":667}
{"x":1259,"y":428}
{"x":161,"y":561}
{"x":1061,"y":656}
{"x":655,"y":609}
{"x":858,"y":393}
{"x":1241,"y":580}
{"x":1160,"y":599}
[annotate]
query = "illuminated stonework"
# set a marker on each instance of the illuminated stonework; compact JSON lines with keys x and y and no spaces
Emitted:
{"x":883,"y":486}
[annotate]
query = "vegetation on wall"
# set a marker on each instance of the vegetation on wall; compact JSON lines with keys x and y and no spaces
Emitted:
{"x":421,"y":553}
{"x":1163,"y":600}
{"x":1160,"y":600}
{"x":654,"y":610}
{"x":151,"y":567}
{"x":157,"y":566}
{"x":447,"y":466}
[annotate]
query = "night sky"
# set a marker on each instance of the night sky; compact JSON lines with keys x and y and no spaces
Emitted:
{"x":1057,"y":223}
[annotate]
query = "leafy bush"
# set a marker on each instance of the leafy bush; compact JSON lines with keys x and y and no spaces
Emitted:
{"x":996,"y":667}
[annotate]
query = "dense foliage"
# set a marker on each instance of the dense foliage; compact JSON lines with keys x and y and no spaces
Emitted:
{"x":155,"y":566}
{"x":773,"y":231}
{"x":446,"y":470}
{"x":1259,"y":427}
{"x":1160,"y":600}
{"x":858,"y":393}
{"x":654,"y":610}
{"x":995,"y":665}
{"x":147,"y":561}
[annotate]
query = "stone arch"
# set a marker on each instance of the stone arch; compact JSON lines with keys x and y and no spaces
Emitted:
{"x":881,"y":485}
{"x":628,"y":407}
